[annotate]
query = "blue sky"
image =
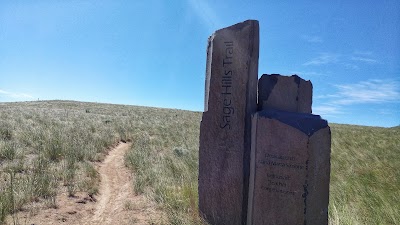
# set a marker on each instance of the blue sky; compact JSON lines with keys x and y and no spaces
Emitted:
{"x":153,"y":52}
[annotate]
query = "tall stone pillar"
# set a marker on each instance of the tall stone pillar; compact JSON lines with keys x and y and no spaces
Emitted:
{"x":230,"y":100}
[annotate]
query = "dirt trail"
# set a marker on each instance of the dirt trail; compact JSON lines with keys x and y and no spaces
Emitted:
{"x":115,"y":204}
{"x":116,"y":193}
{"x":115,"y":189}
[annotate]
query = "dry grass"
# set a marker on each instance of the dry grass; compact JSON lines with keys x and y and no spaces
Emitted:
{"x":365,"y":178}
{"x":51,"y":147}
{"x":164,"y":158}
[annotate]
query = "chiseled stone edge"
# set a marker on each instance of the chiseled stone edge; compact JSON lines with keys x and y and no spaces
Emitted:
{"x":307,"y":123}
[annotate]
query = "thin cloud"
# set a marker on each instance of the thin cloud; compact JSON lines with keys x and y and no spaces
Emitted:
{"x":207,"y":15}
{"x":312,"y":39}
{"x":363,"y":59}
{"x":388,"y":112}
{"x":364,"y":56}
{"x":307,"y":73}
{"x":350,"y":66}
{"x":325,"y":96}
{"x":350,"y":61}
{"x":15,"y":95}
{"x":323,"y":58}
{"x":327,"y":110}
{"x":371,"y":91}
{"x":363,"y":53}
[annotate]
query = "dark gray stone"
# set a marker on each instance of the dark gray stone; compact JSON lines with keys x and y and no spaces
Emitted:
{"x":292,"y":94}
{"x":290,"y":169}
{"x":307,"y":123}
{"x":230,"y":100}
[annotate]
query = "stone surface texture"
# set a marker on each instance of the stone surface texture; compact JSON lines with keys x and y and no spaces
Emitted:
{"x":290,"y":169}
{"x":230,"y":100}
{"x":292,"y":94}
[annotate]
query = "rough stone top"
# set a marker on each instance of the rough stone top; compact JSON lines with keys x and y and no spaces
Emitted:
{"x":232,"y":65}
{"x":288,"y":93}
{"x":239,"y":26}
{"x":305,"y":122}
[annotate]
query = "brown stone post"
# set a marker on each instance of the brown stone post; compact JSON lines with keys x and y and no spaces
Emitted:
{"x":290,"y":156}
{"x":230,"y":100}
{"x":291,"y":94}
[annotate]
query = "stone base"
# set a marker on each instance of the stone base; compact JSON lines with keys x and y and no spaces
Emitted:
{"x":290,"y":169}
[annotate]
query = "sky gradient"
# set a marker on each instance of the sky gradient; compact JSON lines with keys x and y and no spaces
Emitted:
{"x":153,"y":53}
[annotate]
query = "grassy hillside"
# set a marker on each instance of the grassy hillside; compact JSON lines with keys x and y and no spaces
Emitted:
{"x":365,"y":175}
{"x":51,"y":147}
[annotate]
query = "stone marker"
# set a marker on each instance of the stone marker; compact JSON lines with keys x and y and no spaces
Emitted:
{"x":291,"y":94}
{"x":290,"y":169}
{"x":230,"y":100}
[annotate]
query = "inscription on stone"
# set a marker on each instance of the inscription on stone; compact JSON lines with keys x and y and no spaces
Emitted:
{"x":284,"y":172}
{"x":226,"y":87}
{"x":277,"y":181}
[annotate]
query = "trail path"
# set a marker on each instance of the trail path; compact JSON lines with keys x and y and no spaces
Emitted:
{"x":116,"y":194}
{"x":115,"y":204}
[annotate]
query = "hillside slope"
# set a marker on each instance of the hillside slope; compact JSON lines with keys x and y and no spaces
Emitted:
{"x":49,"y":148}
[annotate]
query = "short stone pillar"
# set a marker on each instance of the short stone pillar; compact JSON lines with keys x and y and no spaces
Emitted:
{"x":291,"y":94}
{"x":290,"y":156}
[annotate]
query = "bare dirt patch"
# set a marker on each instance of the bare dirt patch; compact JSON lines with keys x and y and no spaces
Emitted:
{"x":115,"y":204}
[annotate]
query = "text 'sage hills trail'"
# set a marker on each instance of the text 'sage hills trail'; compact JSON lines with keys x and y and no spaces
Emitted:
{"x":259,"y":164}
